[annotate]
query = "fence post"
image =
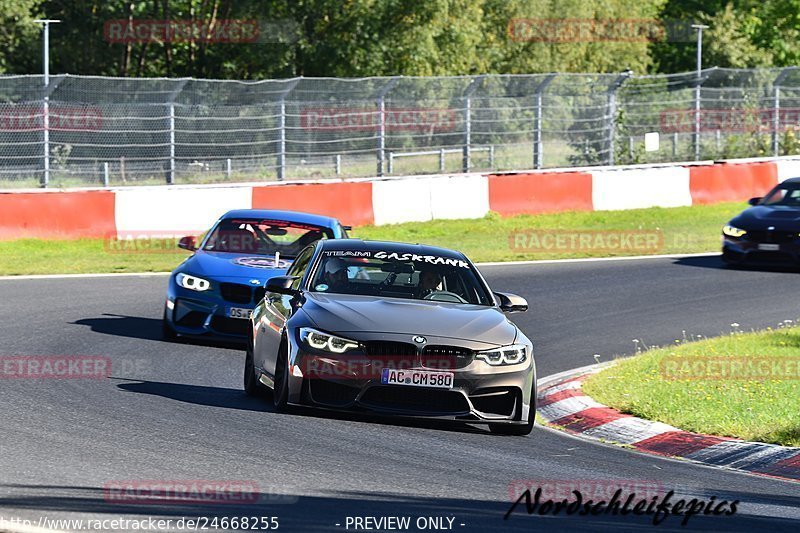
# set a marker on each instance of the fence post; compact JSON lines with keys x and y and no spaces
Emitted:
{"x":228,"y":168}
{"x":776,"y":109}
{"x":441,"y":160}
{"x":382,"y":122}
{"x":282,"y":128}
{"x":612,"y":113}
{"x":537,"y":122}
{"x":49,"y":87}
{"x":390,"y":168}
{"x":105,"y":174}
{"x":171,"y":117}
{"x":466,"y":163}
{"x":338,"y":164}
{"x":701,"y":78}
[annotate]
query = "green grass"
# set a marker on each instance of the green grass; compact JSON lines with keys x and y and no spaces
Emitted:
{"x":764,"y":410}
{"x":683,"y":230}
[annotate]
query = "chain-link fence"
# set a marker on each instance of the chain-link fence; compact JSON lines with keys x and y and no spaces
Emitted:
{"x":80,"y":130}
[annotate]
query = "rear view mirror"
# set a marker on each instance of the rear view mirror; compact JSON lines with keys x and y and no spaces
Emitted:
{"x":398,"y":268}
{"x":511,"y":303}
{"x":281,"y":285}
{"x":754,"y":201}
{"x":188,"y":243}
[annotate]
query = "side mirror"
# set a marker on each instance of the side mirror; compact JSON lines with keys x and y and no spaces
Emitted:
{"x":282,"y":285}
{"x":754,"y":201}
{"x":188,"y":243}
{"x":511,"y":303}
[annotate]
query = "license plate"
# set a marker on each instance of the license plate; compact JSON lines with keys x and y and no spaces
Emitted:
{"x":417,"y":378}
{"x":769,"y":247}
{"x":239,"y":312}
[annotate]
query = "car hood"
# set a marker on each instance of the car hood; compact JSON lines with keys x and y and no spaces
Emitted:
{"x":343,"y":313}
{"x":760,"y":217}
{"x":223,"y":265}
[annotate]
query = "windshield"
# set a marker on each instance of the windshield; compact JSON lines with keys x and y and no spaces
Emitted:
{"x":786,"y":194}
{"x":264,"y":237}
{"x":400,"y":275}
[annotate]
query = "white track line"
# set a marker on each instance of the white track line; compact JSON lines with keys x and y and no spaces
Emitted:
{"x":78,"y":276}
{"x":598,"y":259}
{"x":500,"y":263}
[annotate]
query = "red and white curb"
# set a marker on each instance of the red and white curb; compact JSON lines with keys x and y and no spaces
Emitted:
{"x":563,"y":404}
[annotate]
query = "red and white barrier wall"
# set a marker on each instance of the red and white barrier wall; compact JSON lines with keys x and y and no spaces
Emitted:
{"x":193,"y":208}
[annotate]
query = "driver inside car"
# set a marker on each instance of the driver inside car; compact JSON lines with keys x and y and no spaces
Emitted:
{"x":336,"y":274}
{"x":429,"y":281}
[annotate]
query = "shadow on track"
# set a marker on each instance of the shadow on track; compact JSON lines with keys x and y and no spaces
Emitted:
{"x":199,"y":395}
{"x":238,"y":400}
{"x":146,"y":329}
{"x":716,"y":262}
{"x":330,"y":512}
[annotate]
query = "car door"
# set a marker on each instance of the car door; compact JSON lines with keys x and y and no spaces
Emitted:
{"x":275,"y":311}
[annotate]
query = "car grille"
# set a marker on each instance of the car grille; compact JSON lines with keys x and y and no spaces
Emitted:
{"x":236,"y":293}
{"x":330,"y":393}
{"x":389,"y":348}
{"x":193,"y":319}
{"x":495,"y":401}
{"x":446,"y":357}
{"x":230,"y":326}
{"x":418,"y":400}
{"x":259,"y":293}
{"x":771,"y":236}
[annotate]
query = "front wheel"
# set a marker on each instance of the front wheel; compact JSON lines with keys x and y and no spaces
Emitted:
{"x":252,"y":387}
{"x":281,"y":387}
{"x":167,"y":333}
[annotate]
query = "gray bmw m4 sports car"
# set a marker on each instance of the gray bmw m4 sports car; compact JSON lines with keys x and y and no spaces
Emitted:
{"x":396,"y":329}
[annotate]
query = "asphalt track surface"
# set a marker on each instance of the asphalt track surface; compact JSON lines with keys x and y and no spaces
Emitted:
{"x":176,"y":411}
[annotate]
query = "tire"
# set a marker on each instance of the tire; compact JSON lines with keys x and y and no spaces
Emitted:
{"x":167,"y":333}
{"x":252,"y":387}
{"x":280,"y":392}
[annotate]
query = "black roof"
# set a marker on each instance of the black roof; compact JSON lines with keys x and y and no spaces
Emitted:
{"x":388,"y":246}
{"x":793,"y":181}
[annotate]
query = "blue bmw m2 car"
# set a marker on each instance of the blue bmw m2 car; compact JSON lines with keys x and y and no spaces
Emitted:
{"x":212,"y":293}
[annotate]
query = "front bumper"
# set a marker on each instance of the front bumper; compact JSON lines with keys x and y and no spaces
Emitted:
{"x":207,"y":314}
{"x":480,"y":394}
{"x":770,"y":250}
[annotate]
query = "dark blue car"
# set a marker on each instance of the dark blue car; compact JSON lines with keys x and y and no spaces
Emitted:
{"x":212,"y":293}
{"x":769,"y":231}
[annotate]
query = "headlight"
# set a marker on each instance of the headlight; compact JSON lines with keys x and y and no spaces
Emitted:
{"x":193,"y":283}
{"x":325,"y":341}
{"x":507,"y":355}
{"x":733,"y":231}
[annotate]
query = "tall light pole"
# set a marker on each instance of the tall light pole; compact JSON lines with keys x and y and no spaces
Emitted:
{"x":699,"y":28}
{"x":46,"y":105}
